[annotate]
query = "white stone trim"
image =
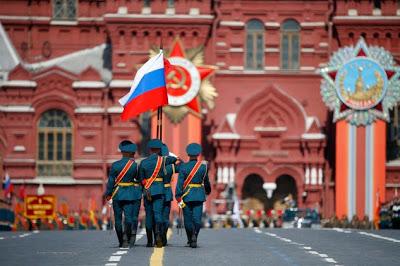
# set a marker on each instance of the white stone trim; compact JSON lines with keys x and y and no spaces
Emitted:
{"x":115,"y":109}
{"x":229,"y":23}
{"x":89,"y":110}
{"x":236,"y":68}
{"x":270,"y":129}
{"x":313,"y":24}
{"x":121,"y":65}
{"x":271,"y":50}
{"x":58,"y":181}
{"x":393,"y":163}
{"x":26,"y":18}
{"x":376,"y":12}
{"x":236,"y":50}
{"x":352,"y":12}
{"x":19,"y":83}
{"x":87,"y":161}
{"x":374,"y":18}
{"x":393,"y":185}
{"x":64,"y":22}
{"x":307,"y":68}
{"x":89,"y":149}
{"x":220,"y":64}
{"x":193,"y":11}
{"x":170,"y":11}
{"x":272,"y":24}
{"x":146,"y":10}
{"x":19,"y":148}
{"x":158,"y":16}
{"x":398,"y":12}
{"x":17,"y":109}
{"x":323,"y":44}
{"x":121,"y":83}
{"x":307,"y":50}
{"x":19,"y":160}
{"x":88,"y":84}
{"x":90,"y":19}
{"x":313,"y":136}
{"x":271,"y":68}
{"x":221,"y":44}
{"x":225,"y":135}
{"x":123,"y":10}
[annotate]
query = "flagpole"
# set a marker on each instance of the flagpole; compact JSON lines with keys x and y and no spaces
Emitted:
{"x":159,"y":110}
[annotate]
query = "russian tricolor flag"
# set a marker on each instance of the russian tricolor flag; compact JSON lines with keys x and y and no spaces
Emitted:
{"x":149,"y":90}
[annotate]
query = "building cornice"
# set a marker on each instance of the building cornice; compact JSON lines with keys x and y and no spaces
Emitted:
{"x":19,"y":83}
{"x":57,"y":181}
{"x":17,"y":109}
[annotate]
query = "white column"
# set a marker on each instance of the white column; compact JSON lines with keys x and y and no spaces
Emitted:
{"x":225,"y":175}
{"x":219,"y":175}
{"x":313,"y":175}
{"x":307,"y":175}
{"x":320,"y":176}
{"x":231,"y":175}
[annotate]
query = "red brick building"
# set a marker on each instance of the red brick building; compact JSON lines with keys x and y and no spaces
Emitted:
{"x":65,"y":63}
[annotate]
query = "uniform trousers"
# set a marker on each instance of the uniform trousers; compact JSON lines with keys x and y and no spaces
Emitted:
{"x":154,"y":209}
{"x":192,"y":214}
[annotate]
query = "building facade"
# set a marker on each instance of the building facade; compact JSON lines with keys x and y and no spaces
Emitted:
{"x":65,"y":64}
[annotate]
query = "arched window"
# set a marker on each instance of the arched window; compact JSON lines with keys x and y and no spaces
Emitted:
{"x":290,"y":44}
{"x":393,"y":135}
{"x":55,"y":144}
{"x":255,"y":45}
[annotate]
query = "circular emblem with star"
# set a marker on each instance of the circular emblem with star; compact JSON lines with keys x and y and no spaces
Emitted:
{"x":361,"y":84}
{"x":183,"y":81}
{"x":187,"y":82}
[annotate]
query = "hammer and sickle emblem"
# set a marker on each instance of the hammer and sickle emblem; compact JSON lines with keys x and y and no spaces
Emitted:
{"x":177,"y":79}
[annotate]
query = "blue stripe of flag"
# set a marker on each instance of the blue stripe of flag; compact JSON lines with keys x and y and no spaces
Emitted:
{"x":150,"y":81}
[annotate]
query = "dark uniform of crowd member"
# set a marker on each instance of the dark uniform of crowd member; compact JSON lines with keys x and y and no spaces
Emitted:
{"x":151,"y":174}
{"x":171,"y":169}
{"x":191,"y":190}
{"x":396,"y":214}
{"x":122,"y":190}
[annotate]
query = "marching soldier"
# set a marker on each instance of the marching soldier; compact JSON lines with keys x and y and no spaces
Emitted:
{"x":122,"y":189}
{"x":191,"y":190}
{"x":170,"y":171}
{"x":151,"y":173}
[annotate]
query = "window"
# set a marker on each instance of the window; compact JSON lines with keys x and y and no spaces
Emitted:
{"x":64,"y":9}
{"x":255,"y":45}
{"x":377,"y":4}
{"x":55,"y":144}
{"x":290,"y":44}
{"x":146,"y":3}
{"x":170,"y":3}
{"x":393,"y":135}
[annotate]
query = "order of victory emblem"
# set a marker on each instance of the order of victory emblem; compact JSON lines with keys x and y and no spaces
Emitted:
{"x":361,"y":84}
{"x":187,"y":82}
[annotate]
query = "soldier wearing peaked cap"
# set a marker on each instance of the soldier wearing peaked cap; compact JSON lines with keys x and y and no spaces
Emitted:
{"x":151,"y":174}
{"x":191,"y":190}
{"x":171,"y":169}
{"x":123,"y":188}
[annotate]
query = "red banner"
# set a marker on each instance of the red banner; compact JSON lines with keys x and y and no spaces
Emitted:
{"x":40,"y":206}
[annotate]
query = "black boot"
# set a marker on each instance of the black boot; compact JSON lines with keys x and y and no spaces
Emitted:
{"x":120,"y":236}
{"x":193,"y":243}
{"x":159,"y":242}
{"x":164,"y":235}
{"x":128,"y":232}
{"x":189,"y":237}
{"x":149,"y":234}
